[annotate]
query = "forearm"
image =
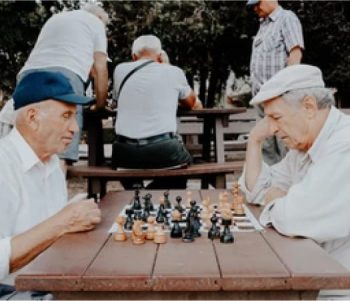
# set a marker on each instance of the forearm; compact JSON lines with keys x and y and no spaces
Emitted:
{"x":29,"y":244}
{"x":189,"y":101}
{"x":253,"y":163}
{"x":295,"y":56}
{"x":101,"y":87}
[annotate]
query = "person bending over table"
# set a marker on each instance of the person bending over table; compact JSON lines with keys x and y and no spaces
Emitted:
{"x":147,"y":104}
{"x":306,"y":194}
{"x":34,"y":210}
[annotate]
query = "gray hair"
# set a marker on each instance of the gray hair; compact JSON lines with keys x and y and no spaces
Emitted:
{"x":146,"y":42}
{"x":324,"y":97}
{"x":96,"y":10}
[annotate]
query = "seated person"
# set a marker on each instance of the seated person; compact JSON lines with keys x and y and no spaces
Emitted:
{"x":306,"y":194}
{"x":34,"y":210}
{"x":147,"y":105}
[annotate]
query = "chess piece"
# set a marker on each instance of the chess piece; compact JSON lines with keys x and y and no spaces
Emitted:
{"x":120,"y":234}
{"x":179,"y":206}
{"x":160,"y":236}
{"x":136,"y":203}
{"x":176,"y":230}
{"x":150,"y":227}
{"x":226,"y":236}
{"x":129,"y":222}
{"x":161,"y":212}
{"x":214,"y":231}
{"x":137,"y":235}
{"x":167,"y":203}
{"x":238,"y":208}
{"x":205,"y":216}
{"x":188,"y":232}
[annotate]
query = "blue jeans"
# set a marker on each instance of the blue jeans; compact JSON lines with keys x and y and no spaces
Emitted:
{"x":72,"y":152}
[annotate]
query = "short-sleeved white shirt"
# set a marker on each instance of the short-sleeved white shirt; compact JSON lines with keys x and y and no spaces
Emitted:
{"x":69,"y":40}
{"x":148,"y":102}
{"x":31,"y":191}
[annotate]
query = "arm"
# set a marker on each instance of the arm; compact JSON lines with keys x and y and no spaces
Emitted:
{"x":100,"y":78}
{"x":75,"y":217}
{"x":189,"y":101}
{"x":295,"y":56}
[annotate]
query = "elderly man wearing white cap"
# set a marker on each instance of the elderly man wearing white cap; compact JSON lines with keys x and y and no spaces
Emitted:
{"x":306,"y":194}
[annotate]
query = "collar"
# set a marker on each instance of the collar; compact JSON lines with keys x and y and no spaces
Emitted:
{"x":327,"y":129}
{"x":274,"y":15}
{"x":27,"y":155}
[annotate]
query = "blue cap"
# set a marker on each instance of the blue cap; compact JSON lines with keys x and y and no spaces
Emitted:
{"x":252,"y":2}
{"x":40,"y":86}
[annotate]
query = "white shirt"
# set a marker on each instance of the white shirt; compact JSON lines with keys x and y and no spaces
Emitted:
{"x":317,"y":204}
{"x":30,"y":192}
{"x":149,"y":99}
{"x":7,"y":113}
{"x":69,"y":40}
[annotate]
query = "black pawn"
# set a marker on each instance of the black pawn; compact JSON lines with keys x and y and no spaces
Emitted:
{"x":226,"y":236}
{"x":188,"y":232}
{"x":148,"y":197}
{"x":160,"y":218}
{"x":214,"y":231}
{"x":178,"y":206}
{"x":136,"y":204}
{"x":167,"y":203}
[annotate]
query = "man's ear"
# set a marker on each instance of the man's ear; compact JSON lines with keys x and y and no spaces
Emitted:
{"x":309,"y":104}
{"x":32,"y":118}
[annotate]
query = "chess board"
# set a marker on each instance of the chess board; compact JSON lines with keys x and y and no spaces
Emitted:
{"x":244,"y":223}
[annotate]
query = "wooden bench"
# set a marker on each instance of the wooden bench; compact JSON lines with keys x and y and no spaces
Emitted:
{"x":208,"y":172}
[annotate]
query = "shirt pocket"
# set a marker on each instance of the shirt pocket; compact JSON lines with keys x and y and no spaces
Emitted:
{"x":273,"y":44}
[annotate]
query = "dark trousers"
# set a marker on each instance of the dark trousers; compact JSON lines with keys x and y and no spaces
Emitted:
{"x":166,"y":153}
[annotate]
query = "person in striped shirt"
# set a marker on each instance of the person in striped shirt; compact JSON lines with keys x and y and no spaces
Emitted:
{"x":278,"y":43}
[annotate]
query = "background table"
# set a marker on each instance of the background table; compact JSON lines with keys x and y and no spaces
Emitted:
{"x":259,"y":265}
{"x":214,"y":120}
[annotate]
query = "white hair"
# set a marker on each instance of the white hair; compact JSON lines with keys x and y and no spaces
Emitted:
{"x":324,"y":97}
{"x":146,"y":42}
{"x":96,"y":10}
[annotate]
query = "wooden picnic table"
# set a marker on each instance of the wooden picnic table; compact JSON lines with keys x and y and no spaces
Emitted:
{"x":259,"y":265}
{"x":214,"y":120}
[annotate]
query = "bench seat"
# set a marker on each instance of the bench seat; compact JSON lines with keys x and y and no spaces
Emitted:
{"x":208,"y":172}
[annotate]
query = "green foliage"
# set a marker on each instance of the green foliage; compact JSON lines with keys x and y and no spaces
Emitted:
{"x":205,"y":38}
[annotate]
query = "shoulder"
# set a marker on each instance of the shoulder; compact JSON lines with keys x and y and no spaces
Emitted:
{"x":124,"y":67}
{"x":289,"y":15}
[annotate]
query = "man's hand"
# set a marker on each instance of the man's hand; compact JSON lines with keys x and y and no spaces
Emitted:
{"x":261,"y":131}
{"x":197,"y":105}
{"x":79,"y":216}
{"x":274,"y":193}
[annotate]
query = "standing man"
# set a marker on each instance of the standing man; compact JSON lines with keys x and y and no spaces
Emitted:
{"x":34,"y":210}
{"x":278,"y":43}
{"x":72,"y":43}
{"x":147,"y":105}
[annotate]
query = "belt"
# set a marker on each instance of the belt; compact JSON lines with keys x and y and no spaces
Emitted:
{"x":145,"y":141}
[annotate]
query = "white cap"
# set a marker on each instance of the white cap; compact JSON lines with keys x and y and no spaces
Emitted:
{"x":288,"y":79}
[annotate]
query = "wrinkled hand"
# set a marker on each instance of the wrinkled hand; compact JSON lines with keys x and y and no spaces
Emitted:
{"x":261,"y":131}
{"x":197,"y":105}
{"x":79,"y":216}
{"x":274,"y":193}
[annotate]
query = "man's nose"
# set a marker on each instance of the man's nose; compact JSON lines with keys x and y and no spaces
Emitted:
{"x":74,"y":126}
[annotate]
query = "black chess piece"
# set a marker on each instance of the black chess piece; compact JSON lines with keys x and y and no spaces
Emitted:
{"x":136,"y":203}
{"x":129,"y":222}
{"x":176,"y":230}
{"x":145,"y":214}
{"x":148,"y":202}
{"x":214,"y":231}
{"x":188,"y":232}
{"x":167,"y":203}
{"x":160,"y":218}
{"x":178,"y":206}
{"x":194,"y":220}
{"x":226,"y":235}
{"x":166,"y":220}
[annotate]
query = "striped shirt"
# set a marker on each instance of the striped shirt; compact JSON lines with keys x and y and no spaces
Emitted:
{"x":278,"y":34}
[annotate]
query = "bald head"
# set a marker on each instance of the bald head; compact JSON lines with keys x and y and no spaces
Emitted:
{"x":265,"y":7}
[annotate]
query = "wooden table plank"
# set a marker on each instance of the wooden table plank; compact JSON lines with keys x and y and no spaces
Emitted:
{"x":308,"y":263}
{"x":250,"y":264}
{"x":186,"y":266}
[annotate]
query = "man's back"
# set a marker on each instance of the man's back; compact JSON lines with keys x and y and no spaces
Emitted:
{"x":148,"y":101}
{"x":68,"y":40}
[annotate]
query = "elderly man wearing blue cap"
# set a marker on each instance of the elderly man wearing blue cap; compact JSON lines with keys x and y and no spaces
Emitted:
{"x":306,"y":194}
{"x":34,"y":209}
{"x":278,"y":43}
